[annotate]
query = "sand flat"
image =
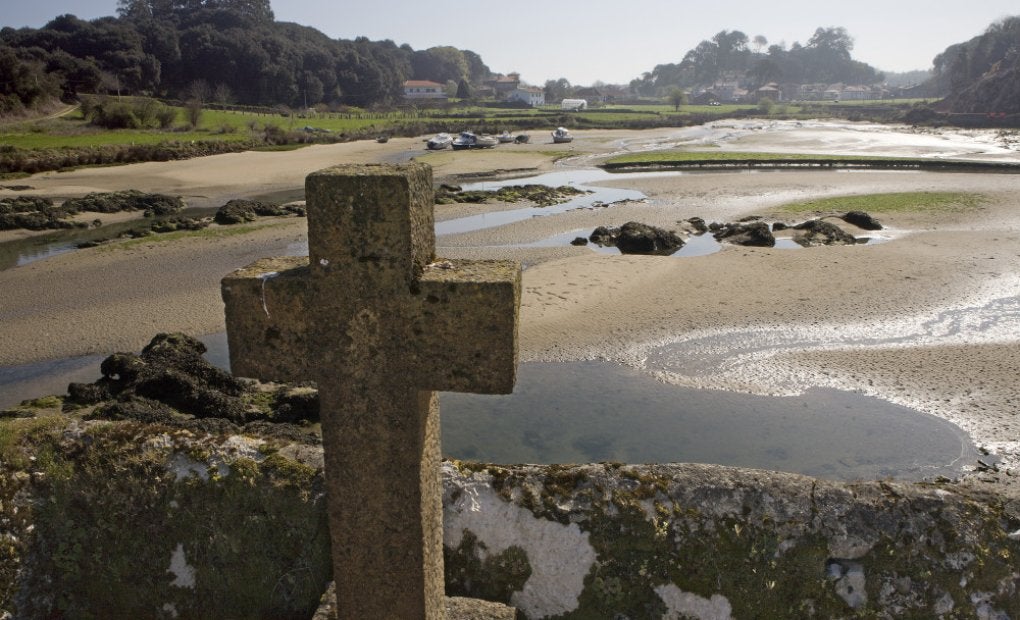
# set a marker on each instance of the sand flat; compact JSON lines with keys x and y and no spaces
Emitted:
{"x":581,"y":305}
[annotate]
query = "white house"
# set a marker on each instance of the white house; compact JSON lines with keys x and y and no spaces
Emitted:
{"x":528,"y":94}
{"x":423,"y":89}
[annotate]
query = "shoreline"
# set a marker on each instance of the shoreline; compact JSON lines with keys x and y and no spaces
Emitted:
{"x":579,"y":305}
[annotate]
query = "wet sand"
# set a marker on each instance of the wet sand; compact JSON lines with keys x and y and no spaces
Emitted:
{"x":581,"y":305}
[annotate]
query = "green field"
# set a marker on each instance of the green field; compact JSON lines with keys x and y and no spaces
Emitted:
{"x":72,"y":130}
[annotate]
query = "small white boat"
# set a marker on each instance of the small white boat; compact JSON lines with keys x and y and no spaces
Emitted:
{"x":468,"y":140}
{"x":439,"y":141}
{"x":505,"y":138}
{"x":561,"y":135}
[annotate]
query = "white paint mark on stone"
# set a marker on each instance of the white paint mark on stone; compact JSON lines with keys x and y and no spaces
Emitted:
{"x":324,"y":262}
{"x":184,"y":574}
{"x":560,"y":555}
{"x":680,"y":604}
{"x":264,"y":278}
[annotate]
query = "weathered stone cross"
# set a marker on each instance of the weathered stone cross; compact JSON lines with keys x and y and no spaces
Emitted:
{"x":378,"y":324}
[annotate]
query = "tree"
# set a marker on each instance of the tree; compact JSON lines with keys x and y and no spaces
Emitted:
{"x":557,"y":90}
{"x":760,"y":43}
{"x":678,"y":98}
{"x":463,"y":90}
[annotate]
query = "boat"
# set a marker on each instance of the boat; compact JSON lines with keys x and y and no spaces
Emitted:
{"x":522,"y":138}
{"x":468,"y":140}
{"x":505,"y":138}
{"x":382,"y":139}
{"x":561,"y":135}
{"x":439,"y":141}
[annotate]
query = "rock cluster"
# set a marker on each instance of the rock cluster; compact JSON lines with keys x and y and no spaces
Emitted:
{"x":638,"y":238}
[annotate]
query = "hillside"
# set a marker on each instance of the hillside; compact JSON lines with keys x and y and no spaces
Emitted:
{"x":983,"y":75}
{"x":213,"y":50}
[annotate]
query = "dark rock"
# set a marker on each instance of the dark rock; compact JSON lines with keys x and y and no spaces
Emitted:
{"x":238,"y":211}
{"x":820,"y":232}
{"x":637,"y":238}
{"x":137,"y":409}
{"x":170,"y":370}
{"x":179,"y":223}
{"x":579,"y":241}
{"x":756,"y":234}
{"x":604,"y":236}
{"x":862,"y":220}
{"x":749,"y":218}
{"x":88,"y":393}
{"x":777,"y":226}
{"x":698,"y":224}
{"x":715,"y":227}
{"x":84,"y":245}
{"x":128,"y":200}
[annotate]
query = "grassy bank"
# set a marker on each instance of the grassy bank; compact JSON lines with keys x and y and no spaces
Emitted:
{"x":925,"y":202}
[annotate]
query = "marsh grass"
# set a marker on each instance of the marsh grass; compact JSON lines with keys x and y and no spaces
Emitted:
{"x":900,"y":202}
{"x":212,"y":232}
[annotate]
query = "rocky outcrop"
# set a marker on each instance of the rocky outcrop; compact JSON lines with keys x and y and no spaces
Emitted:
{"x":638,"y":238}
{"x":862,"y":220}
{"x":239,"y":211}
{"x":171,"y":383}
{"x":749,"y":234}
{"x":820,"y":232}
{"x":145,"y":520}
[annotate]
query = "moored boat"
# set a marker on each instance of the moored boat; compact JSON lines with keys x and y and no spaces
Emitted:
{"x":469,"y":140}
{"x":561,"y":135}
{"x":505,"y":138}
{"x":439,"y":141}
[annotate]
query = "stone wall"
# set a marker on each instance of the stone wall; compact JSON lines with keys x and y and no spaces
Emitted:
{"x":135,"y":520}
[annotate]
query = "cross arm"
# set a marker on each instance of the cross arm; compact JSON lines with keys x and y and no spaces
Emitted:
{"x":463,"y":328}
{"x":267,"y":311}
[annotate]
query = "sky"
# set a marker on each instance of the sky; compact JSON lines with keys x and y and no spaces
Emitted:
{"x":614,"y":42}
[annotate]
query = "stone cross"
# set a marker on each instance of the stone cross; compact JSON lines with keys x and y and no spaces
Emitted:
{"x":379,"y":325}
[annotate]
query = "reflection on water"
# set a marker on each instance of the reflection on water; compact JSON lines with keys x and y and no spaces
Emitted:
{"x":595,"y":411}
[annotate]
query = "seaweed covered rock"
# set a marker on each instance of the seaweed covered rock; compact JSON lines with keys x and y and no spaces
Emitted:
{"x":174,"y":224}
{"x":820,"y":232}
{"x":170,"y":381}
{"x":638,"y":238}
{"x":127,"y":200}
{"x":756,"y":234}
{"x":238,"y":211}
{"x":35,"y":213}
{"x":862,"y":220}
{"x":541,"y":195}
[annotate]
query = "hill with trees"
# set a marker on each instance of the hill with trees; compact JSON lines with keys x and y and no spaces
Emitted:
{"x":733,"y":56}
{"x":213,"y":50}
{"x":982,"y":75}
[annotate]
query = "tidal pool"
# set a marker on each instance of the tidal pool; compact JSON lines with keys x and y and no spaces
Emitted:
{"x":582,"y":412}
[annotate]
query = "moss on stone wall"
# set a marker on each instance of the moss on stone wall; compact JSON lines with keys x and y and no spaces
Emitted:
{"x":157,"y":521}
{"x":154,"y":522}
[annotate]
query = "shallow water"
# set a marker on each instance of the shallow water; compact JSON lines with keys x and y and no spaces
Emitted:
{"x":598,"y":411}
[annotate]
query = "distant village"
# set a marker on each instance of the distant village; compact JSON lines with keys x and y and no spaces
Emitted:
{"x":510,"y":88}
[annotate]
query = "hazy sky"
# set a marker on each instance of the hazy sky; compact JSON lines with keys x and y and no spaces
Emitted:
{"x":616,"y":41}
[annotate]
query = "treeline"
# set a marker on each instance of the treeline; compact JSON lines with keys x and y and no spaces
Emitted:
{"x":983,"y":75}
{"x":733,"y":56}
{"x":215,"y":50}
